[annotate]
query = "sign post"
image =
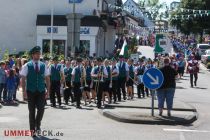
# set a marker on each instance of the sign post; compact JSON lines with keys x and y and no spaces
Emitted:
{"x":153,"y":79}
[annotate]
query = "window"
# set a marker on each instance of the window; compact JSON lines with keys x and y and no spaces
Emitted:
{"x":84,"y":48}
{"x":58,"y":47}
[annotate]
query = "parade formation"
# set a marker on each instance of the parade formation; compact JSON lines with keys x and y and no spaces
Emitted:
{"x":104,"y":69}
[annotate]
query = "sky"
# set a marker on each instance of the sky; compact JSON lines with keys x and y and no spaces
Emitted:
{"x":167,"y":1}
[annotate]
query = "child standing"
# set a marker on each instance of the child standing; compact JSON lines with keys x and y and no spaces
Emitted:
{"x":11,"y":85}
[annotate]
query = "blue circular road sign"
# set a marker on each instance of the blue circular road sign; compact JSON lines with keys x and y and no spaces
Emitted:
{"x":153,"y":78}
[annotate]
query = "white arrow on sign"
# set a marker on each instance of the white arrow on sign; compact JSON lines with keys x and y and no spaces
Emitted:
{"x":155,"y":81}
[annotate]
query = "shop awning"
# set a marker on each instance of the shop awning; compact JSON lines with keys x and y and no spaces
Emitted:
{"x":60,"y":20}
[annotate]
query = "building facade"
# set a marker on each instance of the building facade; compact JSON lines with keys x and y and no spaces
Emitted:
{"x":135,"y":10}
{"x":22,"y":26}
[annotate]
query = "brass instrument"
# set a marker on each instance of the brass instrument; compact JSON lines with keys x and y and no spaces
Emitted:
{"x":110,"y":84}
{"x":100,"y":78}
{"x":83,"y":78}
{"x":134,"y":81}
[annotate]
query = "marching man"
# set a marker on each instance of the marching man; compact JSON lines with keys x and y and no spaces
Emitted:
{"x":34,"y":77}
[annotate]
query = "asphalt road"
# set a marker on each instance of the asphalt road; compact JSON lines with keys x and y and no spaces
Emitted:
{"x":89,"y":124}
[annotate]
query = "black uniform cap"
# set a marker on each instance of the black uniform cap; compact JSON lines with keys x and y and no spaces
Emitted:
{"x":35,"y":50}
{"x":99,"y":59}
{"x":79,"y":59}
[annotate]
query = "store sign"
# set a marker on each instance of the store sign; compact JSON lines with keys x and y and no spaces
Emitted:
{"x":84,"y":30}
{"x":55,"y":30}
{"x":76,"y":1}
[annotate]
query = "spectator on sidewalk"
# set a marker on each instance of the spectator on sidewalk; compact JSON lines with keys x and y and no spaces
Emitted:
{"x":167,"y":90}
{"x":11,"y":85}
{"x":3,"y":77}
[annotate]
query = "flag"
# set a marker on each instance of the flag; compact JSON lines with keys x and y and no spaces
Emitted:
{"x":124,"y":50}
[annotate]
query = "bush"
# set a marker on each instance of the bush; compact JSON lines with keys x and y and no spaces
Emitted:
{"x":208,"y":65}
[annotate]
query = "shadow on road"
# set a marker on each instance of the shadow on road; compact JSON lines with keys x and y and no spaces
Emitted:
{"x":178,"y":87}
{"x":200,"y":88}
{"x":44,"y":138}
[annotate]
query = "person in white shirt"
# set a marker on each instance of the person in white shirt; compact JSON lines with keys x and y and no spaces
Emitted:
{"x":35,"y":79}
{"x":123,"y":77}
{"x":99,"y":73}
{"x":57,"y":80}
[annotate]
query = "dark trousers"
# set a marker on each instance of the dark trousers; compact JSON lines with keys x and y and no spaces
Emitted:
{"x":14,"y":95}
{"x":100,"y":90}
{"x":3,"y":89}
{"x":113,"y":90}
{"x":147,"y":91}
{"x":35,"y":100}
{"x":68,"y":93}
{"x":55,"y":90}
{"x":140,"y":90}
{"x":191,"y":79}
{"x":121,"y":86}
{"x":77,"y":93}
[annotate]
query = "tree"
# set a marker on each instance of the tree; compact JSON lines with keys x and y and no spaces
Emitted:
{"x":154,"y":9}
{"x":187,"y":22}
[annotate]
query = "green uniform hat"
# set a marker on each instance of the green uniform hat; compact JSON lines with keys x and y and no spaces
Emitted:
{"x":99,"y":59}
{"x":79,"y":59}
{"x":35,"y":50}
{"x":113,"y":59}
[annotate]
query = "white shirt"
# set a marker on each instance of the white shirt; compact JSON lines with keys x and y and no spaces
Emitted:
{"x":120,"y":66}
{"x":53,"y":65}
{"x":74,"y":70}
{"x":116,"y":70}
{"x":24,"y":70}
{"x":104,"y":71}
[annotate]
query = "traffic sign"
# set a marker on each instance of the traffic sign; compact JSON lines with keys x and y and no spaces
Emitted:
{"x":153,"y":78}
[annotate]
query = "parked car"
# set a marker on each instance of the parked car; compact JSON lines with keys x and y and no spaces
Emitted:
{"x":202,"y":48}
{"x":206,"y":57}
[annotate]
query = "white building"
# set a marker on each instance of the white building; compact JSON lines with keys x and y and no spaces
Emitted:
{"x":134,"y":9}
{"x":26,"y":23}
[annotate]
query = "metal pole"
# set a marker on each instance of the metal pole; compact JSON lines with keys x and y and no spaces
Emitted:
{"x":73,"y":36}
{"x":51,"y":33}
{"x":153,"y":98}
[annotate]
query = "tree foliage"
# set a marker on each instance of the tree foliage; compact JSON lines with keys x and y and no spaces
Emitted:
{"x":192,"y":24}
{"x":154,"y":9}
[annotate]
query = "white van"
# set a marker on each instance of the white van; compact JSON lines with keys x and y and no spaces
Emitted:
{"x":202,"y":48}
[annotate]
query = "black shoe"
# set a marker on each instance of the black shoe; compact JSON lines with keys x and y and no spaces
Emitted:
{"x":53,"y":105}
{"x":160,"y":113}
{"x":195,"y":83}
{"x":169,"y":114}
{"x":79,"y":107}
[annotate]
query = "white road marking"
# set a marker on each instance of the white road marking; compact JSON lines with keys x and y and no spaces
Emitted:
{"x":182,"y":136}
{"x":7,"y":119}
{"x":186,"y":130}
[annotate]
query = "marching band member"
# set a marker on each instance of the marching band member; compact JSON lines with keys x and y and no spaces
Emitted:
{"x":139,"y":74}
{"x":130,"y":82}
{"x":35,"y":77}
{"x":93,"y":81}
{"x":123,"y":77}
{"x":99,"y":73}
{"x":149,"y":65}
{"x":57,"y":78}
{"x":68,"y":91}
{"x":107,"y":82}
{"x":87,"y":81}
{"x":114,"y":80}
{"x":76,"y":79}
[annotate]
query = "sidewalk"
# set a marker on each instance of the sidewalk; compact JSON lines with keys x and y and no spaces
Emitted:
{"x":139,"y":111}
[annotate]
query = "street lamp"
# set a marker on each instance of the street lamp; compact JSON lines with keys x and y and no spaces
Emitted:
{"x":51,"y":33}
